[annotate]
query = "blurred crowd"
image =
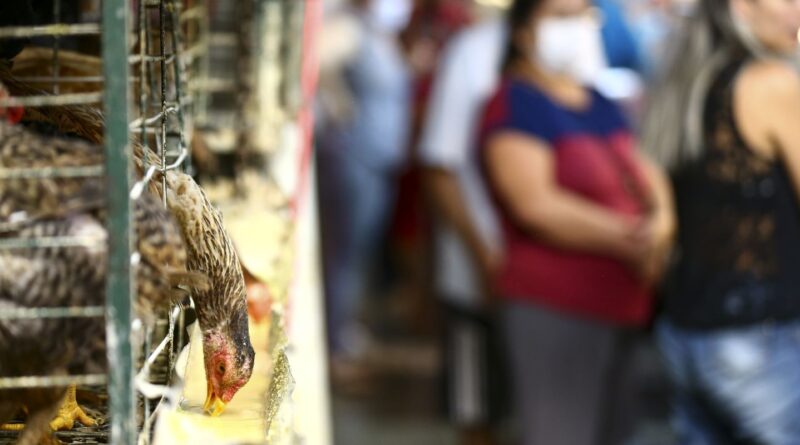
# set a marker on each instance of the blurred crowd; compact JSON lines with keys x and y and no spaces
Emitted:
{"x":545,"y":185}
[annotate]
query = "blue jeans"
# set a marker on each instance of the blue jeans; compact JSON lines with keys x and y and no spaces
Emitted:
{"x":735,"y":386}
{"x":355,"y":203}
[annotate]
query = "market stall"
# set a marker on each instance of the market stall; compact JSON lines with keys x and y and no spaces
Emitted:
{"x":206,"y":106}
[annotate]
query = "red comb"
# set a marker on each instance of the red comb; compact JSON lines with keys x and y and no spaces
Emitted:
{"x":12,"y":114}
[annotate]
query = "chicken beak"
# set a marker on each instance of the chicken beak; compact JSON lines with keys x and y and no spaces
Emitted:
{"x":214,"y":406}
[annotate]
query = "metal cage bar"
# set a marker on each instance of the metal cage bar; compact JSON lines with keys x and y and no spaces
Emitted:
{"x":50,"y":382}
{"x":119,"y":286}
{"x":52,"y":312}
{"x":58,"y":29}
{"x":44,"y":101}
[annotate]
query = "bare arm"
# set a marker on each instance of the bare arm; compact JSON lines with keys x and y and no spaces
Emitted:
{"x":449,"y":203}
{"x":662,"y":218}
{"x":783,"y":121}
{"x":446,"y":143}
{"x":662,"y":223}
{"x":522,"y":170}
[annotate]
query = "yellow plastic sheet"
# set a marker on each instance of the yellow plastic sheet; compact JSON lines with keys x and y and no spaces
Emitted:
{"x":244,"y":419}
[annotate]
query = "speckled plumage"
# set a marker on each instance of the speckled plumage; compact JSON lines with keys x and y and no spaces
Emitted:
{"x":163,"y":256}
{"x":209,"y":246}
{"x":69,"y":276}
{"x":34,"y":278}
{"x":222,"y":308}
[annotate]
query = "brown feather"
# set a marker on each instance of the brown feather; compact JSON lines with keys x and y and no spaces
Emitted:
{"x":221,"y":306}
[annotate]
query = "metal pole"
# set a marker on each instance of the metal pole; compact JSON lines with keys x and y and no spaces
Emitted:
{"x":119,"y":284}
{"x":162,"y":148}
{"x":56,"y":46}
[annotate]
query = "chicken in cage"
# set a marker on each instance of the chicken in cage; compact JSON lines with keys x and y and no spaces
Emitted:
{"x":54,"y":210}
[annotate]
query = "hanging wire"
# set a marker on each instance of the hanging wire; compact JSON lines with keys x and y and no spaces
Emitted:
{"x":142,"y":79}
{"x":178,"y":68}
{"x":162,"y":151}
{"x":168,"y":58}
{"x":160,"y":119}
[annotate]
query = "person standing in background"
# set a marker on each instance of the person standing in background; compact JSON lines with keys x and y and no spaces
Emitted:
{"x":465,"y":234}
{"x":362,"y":137}
{"x":726,"y":124}
{"x":621,"y":47}
{"x":432,"y":24}
{"x":586,"y":223}
{"x":466,"y":247}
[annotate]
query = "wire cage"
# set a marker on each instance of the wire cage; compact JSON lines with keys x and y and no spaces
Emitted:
{"x":165,"y":72}
{"x":154,"y":65}
{"x":171,"y":48}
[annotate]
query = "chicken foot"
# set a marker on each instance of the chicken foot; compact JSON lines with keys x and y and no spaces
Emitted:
{"x":69,"y":412}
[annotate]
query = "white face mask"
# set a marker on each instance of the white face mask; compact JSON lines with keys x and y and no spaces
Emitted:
{"x":390,"y":15}
{"x":570,"y":46}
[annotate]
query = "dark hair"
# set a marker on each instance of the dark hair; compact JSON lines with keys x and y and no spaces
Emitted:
{"x":705,"y":43}
{"x":518,"y":17}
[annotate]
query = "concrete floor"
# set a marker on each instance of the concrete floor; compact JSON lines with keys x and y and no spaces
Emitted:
{"x":404,"y":409}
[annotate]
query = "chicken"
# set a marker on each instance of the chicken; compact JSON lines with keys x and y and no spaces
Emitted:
{"x":41,"y":278}
{"x":222,"y":308}
{"x":69,"y":276}
{"x":35,"y":62}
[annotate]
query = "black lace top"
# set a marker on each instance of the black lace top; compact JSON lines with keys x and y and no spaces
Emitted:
{"x":739,"y":231}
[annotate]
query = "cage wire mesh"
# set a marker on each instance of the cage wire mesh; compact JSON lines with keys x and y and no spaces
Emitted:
{"x":171,"y":44}
{"x":174,"y":86}
{"x":55,"y":90}
{"x":162,"y":66}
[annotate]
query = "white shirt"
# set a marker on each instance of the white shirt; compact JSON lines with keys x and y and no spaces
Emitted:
{"x":466,"y":77}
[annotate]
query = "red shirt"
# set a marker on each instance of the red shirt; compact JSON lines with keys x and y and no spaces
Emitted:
{"x":593,"y":152}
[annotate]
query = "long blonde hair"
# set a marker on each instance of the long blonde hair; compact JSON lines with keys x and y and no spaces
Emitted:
{"x":708,"y":39}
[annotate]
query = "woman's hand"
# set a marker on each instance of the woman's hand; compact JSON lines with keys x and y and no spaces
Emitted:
{"x":655,"y":236}
{"x":659,"y":226}
{"x":522,"y":170}
{"x":489,"y":262}
{"x":632,"y":240}
{"x":643,"y":244}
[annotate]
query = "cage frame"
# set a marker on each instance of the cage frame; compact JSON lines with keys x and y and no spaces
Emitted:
{"x":113,"y":30}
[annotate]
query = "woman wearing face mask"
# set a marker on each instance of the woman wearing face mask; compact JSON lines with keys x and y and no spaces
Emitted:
{"x":727,"y":124}
{"x":585,"y":219}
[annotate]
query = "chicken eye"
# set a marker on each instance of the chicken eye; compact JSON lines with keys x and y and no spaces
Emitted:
{"x":221,"y":369}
